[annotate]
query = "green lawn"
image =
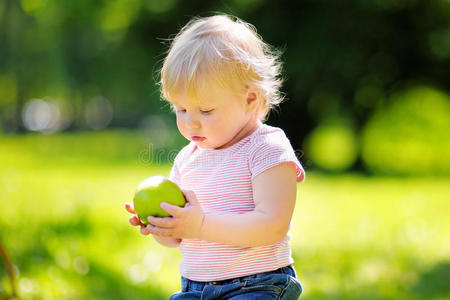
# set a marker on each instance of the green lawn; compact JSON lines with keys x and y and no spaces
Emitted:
{"x":63,"y":222}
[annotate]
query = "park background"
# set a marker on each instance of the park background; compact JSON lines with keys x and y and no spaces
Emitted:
{"x":82,"y":123}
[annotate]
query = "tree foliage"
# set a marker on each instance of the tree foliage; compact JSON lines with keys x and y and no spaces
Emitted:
{"x":342,"y":59}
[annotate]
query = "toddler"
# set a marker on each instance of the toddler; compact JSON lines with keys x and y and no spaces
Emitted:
{"x":238,"y":174}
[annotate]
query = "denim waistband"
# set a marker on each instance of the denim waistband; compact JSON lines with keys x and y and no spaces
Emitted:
{"x":284,"y":270}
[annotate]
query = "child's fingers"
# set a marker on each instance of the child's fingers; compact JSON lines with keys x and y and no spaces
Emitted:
{"x":130,"y":207}
{"x":190,"y":197}
{"x":145,"y":230}
{"x":172,"y":210}
{"x":167,"y":222}
{"x":134,"y":220}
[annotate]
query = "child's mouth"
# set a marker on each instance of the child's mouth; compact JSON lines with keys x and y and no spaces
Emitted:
{"x":198,"y":138}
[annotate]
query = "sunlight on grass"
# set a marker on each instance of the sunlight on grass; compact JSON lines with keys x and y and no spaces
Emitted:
{"x":354,"y":234}
{"x":353,"y":237}
{"x":71,"y":223}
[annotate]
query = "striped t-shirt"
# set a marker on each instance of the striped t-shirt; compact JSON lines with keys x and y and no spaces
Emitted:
{"x":222,"y":182}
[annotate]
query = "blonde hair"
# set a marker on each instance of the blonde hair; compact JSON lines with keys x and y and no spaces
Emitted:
{"x":222,"y":50}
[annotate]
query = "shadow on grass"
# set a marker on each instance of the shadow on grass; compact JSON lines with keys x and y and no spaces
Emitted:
{"x":434,"y":282}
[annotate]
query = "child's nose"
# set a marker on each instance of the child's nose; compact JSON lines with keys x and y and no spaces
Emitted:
{"x":192,"y":122}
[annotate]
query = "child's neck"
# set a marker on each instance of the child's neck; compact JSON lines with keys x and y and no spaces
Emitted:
{"x":245,"y":131}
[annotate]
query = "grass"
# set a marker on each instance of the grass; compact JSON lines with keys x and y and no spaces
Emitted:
{"x":63,"y":222}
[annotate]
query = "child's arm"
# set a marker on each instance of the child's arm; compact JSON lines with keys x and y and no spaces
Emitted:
{"x":274,"y":192}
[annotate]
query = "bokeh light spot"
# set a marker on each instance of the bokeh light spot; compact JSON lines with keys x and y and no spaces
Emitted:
{"x":38,"y":115}
{"x":81,"y":265}
{"x":98,"y":113}
{"x":153,"y":261}
{"x":138,"y":273}
{"x":332,"y":147}
{"x":409,"y":135}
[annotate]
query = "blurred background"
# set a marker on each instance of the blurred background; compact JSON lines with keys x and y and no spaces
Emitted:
{"x":82,"y":123}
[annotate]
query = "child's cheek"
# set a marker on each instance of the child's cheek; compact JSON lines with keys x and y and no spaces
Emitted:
{"x":181,"y":126}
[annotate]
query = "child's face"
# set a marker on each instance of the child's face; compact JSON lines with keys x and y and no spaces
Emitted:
{"x":218,"y":120}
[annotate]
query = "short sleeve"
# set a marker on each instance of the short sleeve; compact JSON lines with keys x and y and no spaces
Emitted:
{"x":272,"y":151}
{"x":175,"y":172}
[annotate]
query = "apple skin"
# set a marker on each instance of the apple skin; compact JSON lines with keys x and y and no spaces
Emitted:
{"x":151,"y":192}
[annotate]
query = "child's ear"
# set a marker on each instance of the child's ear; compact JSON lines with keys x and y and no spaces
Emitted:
{"x":252,"y":95}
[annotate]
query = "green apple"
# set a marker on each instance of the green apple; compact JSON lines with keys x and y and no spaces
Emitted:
{"x":151,"y":192}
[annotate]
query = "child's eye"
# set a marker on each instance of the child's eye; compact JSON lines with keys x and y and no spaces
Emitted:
{"x":206,"y":112}
{"x":181,"y":110}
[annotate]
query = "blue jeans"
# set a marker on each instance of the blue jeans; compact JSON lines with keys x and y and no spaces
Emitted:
{"x":278,"y":284}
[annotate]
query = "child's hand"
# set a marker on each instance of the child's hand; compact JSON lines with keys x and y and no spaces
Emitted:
{"x":186,"y":222}
{"x":145,"y":229}
{"x":134,"y":220}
